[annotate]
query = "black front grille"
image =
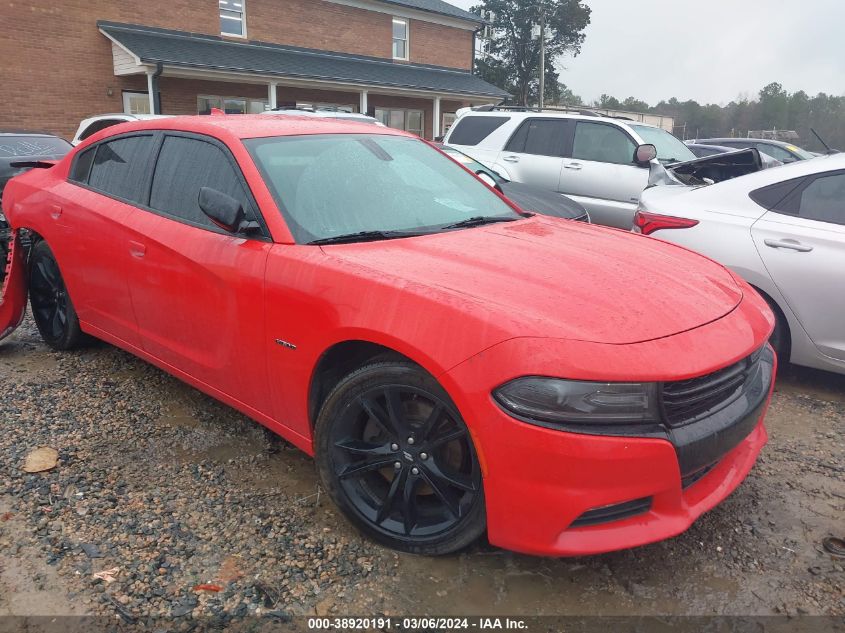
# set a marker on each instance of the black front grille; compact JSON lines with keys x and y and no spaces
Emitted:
{"x":686,"y":401}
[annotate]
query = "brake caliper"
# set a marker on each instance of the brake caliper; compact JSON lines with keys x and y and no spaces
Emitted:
{"x":13,"y":293}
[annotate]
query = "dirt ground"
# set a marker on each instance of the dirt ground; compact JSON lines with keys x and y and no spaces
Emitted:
{"x":177,"y":492}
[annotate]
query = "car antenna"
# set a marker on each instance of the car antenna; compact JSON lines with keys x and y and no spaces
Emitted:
{"x":829,"y":151}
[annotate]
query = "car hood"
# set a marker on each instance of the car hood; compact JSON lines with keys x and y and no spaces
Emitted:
{"x":550,"y":278}
{"x":536,"y":200}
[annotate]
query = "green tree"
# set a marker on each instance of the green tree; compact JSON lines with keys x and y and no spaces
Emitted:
{"x":514,"y":60}
{"x":608,"y":102}
{"x":774,"y":107}
{"x":566,"y":96}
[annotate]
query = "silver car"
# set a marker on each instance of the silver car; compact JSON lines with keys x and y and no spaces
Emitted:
{"x":783,"y":231}
{"x":588,"y":158}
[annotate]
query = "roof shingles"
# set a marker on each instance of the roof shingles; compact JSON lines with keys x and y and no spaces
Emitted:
{"x":182,"y":49}
{"x":437,"y":6}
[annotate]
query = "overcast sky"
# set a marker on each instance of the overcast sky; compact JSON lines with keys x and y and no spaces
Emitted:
{"x":709,"y":50}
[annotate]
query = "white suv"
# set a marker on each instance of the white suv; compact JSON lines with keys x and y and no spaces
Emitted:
{"x":589,"y":158}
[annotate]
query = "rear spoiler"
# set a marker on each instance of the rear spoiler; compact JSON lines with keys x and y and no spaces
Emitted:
{"x":33,"y":164}
{"x":707,"y":170}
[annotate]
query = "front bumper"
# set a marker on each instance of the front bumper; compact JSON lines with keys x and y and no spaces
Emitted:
{"x":539,"y":481}
{"x":553,"y":478}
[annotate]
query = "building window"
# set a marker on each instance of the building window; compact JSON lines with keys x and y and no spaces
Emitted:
{"x":230,"y":105}
{"x":447,"y":122}
{"x":136,"y":102}
{"x":408,"y":120}
{"x":400,"y":38}
{"x":232,"y":18}
{"x":338,"y":107}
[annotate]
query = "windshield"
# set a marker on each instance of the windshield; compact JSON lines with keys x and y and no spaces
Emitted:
{"x":669,"y":148}
{"x":800,"y":153}
{"x":40,"y":146}
{"x":331,"y":185}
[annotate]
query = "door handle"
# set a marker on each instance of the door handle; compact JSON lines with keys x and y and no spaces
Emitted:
{"x":792,"y":245}
{"x":511,"y":159}
{"x":575,"y":166}
{"x":136,"y":249}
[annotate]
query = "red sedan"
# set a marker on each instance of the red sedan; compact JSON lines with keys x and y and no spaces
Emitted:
{"x":454,"y":364}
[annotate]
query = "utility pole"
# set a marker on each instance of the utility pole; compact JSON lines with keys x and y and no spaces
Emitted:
{"x":542,"y":54}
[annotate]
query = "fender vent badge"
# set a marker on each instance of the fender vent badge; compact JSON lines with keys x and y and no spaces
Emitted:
{"x":285,"y":344}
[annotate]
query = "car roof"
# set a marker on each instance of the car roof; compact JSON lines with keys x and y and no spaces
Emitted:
{"x":710,"y":146}
{"x":750,"y":140}
{"x":551,"y":114}
{"x":125,"y":115}
{"x":243,"y":126}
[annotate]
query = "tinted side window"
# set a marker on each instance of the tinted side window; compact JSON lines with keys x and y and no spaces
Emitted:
{"x":96,"y":126}
{"x":602,"y":143}
{"x":471,"y":130}
{"x":541,"y":137}
{"x":120,"y":167}
{"x":184,"y":166}
{"x":82,"y":166}
{"x":824,"y":200}
{"x":771,"y":196}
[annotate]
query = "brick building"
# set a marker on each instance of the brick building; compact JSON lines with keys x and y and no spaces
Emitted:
{"x":407,"y":62}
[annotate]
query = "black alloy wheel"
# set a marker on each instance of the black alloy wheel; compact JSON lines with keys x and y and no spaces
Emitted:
{"x":52,"y":308}
{"x":397,"y":458}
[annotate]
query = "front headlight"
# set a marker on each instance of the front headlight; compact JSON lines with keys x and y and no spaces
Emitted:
{"x":577,"y":402}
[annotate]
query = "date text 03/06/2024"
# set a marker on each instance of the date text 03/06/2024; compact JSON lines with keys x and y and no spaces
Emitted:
{"x":415,"y":624}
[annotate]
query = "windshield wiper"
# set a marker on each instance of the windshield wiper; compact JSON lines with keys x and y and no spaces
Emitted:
{"x":478,"y":220}
{"x":366,"y":236}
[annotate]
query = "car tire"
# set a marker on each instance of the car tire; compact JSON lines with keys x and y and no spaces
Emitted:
{"x":396,"y":457}
{"x":52,"y":308}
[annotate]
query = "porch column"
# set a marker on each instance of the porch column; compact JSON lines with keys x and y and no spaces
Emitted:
{"x":435,"y":119}
{"x":151,"y":91}
{"x":271,"y":95}
{"x":364,"y":105}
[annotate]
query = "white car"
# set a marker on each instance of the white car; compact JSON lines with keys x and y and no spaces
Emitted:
{"x":94,"y":124}
{"x":783,"y":231}
{"x":588,"y":158}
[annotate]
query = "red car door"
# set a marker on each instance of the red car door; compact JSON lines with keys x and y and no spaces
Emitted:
{"x":197,"y":290}
{"x":90,"y":240}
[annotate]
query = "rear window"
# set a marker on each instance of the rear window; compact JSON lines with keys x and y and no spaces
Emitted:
{"x":41,"y":146}
{"x":120,"y":167}
{"x":471,"y":130}
{"x":769,"y":197}
{"x":82,"y":165}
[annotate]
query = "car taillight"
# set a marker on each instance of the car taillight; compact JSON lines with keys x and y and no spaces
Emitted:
{"x":647,"y":223}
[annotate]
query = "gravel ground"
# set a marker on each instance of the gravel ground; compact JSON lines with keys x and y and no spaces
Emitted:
{"x":202,"y":514}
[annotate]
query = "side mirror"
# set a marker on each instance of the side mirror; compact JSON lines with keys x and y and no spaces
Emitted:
{"x":644,"y":154}
{"x":224,"y":211}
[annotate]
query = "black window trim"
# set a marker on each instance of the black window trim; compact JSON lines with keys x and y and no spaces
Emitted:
{"x":571,"y":148}
{"x":149,"y":171}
